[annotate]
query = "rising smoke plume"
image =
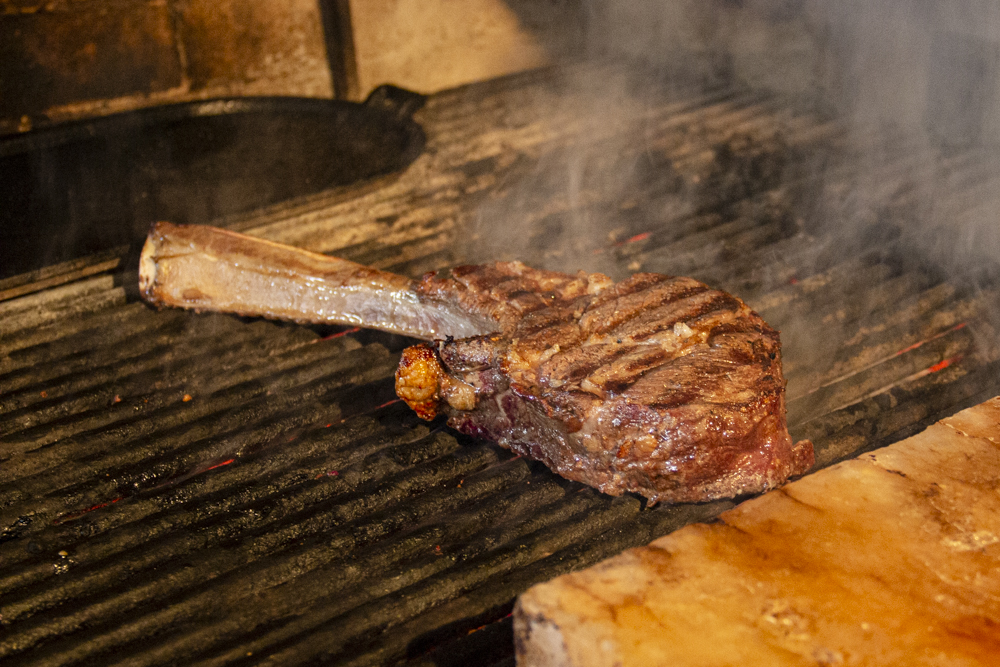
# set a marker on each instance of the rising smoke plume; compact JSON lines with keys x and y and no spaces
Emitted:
{"x":916,"y":84}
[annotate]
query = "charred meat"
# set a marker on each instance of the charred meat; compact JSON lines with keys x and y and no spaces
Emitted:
{"x":656,"y":385}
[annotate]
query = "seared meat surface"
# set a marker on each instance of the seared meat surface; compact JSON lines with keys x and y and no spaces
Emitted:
{"x":656,"y":385}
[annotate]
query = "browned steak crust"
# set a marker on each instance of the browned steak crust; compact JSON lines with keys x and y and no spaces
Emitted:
{"x":656,"y":385}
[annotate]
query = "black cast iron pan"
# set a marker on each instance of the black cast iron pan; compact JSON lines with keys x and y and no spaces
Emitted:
{"x":75,"y":189}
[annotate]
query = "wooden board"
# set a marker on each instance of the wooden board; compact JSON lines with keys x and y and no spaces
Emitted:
{"x":892,"y":558}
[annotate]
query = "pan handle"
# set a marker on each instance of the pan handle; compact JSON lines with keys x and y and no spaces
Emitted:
{"x":397,"y":101}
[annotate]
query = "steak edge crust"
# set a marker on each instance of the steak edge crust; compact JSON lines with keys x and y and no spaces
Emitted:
{"x":656,"y":385}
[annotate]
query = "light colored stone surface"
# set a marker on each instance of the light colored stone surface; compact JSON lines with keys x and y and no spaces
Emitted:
{"x":430,"y":45}
{"x":892,"y":558}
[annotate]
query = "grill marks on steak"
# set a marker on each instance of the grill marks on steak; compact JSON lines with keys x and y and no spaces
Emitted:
{"x":507,"y":292}
{"x":656,"y":385}
{"x":639,"y":294}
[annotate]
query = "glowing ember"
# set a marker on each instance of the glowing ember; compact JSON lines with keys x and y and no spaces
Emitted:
{"x":635,"y":239}
{"x":219,"y":465}
{"x":69,"y":516}
{"x":918,"y":344}
{"x":941,"y":365}
{"x":345,"y":332}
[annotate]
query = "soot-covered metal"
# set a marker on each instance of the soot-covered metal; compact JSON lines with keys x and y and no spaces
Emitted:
{"x":191,"y":489}
{"x":74,"y":189}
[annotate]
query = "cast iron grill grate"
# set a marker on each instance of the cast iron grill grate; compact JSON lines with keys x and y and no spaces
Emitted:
{"x":191,"y":489}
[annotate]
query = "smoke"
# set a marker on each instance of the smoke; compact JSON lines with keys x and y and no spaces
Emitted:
{"x":917,"y":85}
{"x":914,"y":82}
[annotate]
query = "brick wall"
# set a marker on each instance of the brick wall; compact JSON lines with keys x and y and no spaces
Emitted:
{"x":70,"y":58}
{"x":431,"y":45}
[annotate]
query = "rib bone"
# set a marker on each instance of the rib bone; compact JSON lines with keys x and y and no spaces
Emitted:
{"x":210,"y":269}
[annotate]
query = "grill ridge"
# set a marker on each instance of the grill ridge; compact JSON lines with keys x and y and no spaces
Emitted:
{"x":291,"y":511}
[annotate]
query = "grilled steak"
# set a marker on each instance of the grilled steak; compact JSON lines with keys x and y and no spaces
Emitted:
{"x":656,"y":385}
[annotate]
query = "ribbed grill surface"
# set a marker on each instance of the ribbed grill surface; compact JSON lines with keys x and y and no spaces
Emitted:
{"x":198,"y":489}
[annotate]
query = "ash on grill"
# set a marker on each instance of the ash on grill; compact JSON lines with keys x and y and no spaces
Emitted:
{"x":201,"y":489}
